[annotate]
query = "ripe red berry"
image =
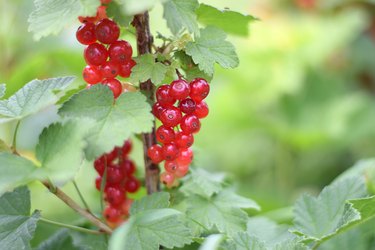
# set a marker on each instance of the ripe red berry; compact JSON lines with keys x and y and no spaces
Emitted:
{"x":112,"y":214}
{"x":182,"y":170}
{"x":171,"y":116}
{"x":110,"y":69}
{"x":111,"y":156}
{"x":98,"y":182}
{"x":170,"y":152}
{"x":127,"y":167}
{"x":120,"y":51}
{"x":114,"y":85}
{"x":114,"y":175}
{"x":95,"y":54}
{"x":157,"y":109}
{"x":201,"y":110}
{"x":99,"y":165}
{"x":92,"y":74}
{"x":167,"y":179}
{"x":114,"y":196}
{"x":101,"y":13}
{"x":132,"y":185}
{"x":87,"y":19}
{"x":179,"y":89}
{"x":126,"y":148}
{"x":165,"y":134}
{"x":187,"y":106}
{"x":199,"y":89}
{"x":86,"y":33}
{"x":184,"y":140}
{"x":107,"y":31}
{"x":155,"y":152}
{"x":190,"y":124}
{"x":163,"y":97}
{"x":126,"y":68}
{"x":170,"y":166}
{"x":185,"y":157}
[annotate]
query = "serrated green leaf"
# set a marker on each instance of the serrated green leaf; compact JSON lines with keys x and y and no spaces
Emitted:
{"x":243,"y":241}
{"x":133,"y":7}
{"x":192,"y":70}
{"x":153,"y":201}
{"x":290,"y":245}
{"x":322,"y":217}
{"x":228,"y":196}
{"x":17,"y":227}
{"x":33,"y":97}
{"x":180,"y":14}
{"x":150,"y":229}
{"x":230,"y":21}
{"x":210,"y":48}
{"x":349,"y":240}
{"x":89,"y":241}
{"x":60,"y":150}
{"x":60,"y":240}
{"x":16,"y":171}
{"x":2,"y":90}
{"x":113,"y":121}
{"x":114,"y":11}
{"x":51,"y":16}
{"x":4,"y":147}
{"x":203,"y":183}
{"x":147,"y":68}
{"x":212,"y":242}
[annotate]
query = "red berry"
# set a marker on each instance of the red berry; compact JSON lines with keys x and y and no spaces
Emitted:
{"x":163,"y":97}
{"x":114,"y":196}
{"x":132,"y":185}
{"x":111,"y":156}
{"x":190,"y":124}
{"x":87,"y":19}
{"x":107,"y":31}
{"x":114,"y":85}
{"x":171,"y":117}
{"x":179,"y":89}
{"x":95,"y":54}
{"x":125,"y":208}
{"x":92,"y":74}
{"x":170,"y":152}
{"x":187,"y":106}
{"x":170,"y":166}
{"x":181,"y":171}
{"x":185,"y":157}
{"x":127,"y":167}
{"x":157,"y":109}
{"x":99,"y":165}
{"x":114,"y":175}
{"x":201,"y":110}
{"x":165,"y":134}
{"x":112,"y":214}
{"x":120,"y":51}
{"x":199,"y":89}
{"x":167,"y":179}
{"x":184,"y":140}
{"x":126,"y":148}
{"x":105,"y":1}
{"x":126,"y":68}
{"x":86,"y":33}
{"x":101,"y":13}
{"x":155,"y":152}
{"x":98,"y":182}
{"x":110,"y":69}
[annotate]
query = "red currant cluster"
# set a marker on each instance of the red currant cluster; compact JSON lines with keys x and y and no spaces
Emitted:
{"x":106,"y":56}
{"x":179,"y":123}
{"x":119,"y":171}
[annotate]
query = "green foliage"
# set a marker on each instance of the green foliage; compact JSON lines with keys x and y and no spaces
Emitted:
{"x":180,"y":14}
{"x":2,"y":90}
{"x":211,"y":47}
{"x":147,"y":68}
{"x":132,"y":7}
{"x":51,"y":16}
{"x":17,"y":226}
{"x":108,"y":122}
{"x":33,"y":97}
{"x":4,"y":147}
{"x":154,"y":201}
{"x":61,"y":240}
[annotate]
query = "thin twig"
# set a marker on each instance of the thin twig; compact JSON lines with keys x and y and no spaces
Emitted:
{"x":14,"y":143}
{"x":76,"y":228}
{"x":81,"y":196}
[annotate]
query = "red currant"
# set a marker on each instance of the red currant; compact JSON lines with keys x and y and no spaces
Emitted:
{"x":92,"y":74}
{"x":157,"y":109}
{"x":187,"y":106}
{"x":126,"y":148}
{"x":107,"y":31}
{"x":199,"y":89}
{"x":179,"y":89}
{"x":165,"y":134}
{"x":114,"y":196}
{"x":114,"y":175}
{"x":167,"y":179}
{"x":155,"y":152}
{"x":184,"y":140}
{"x":86,"y":33}
{"x":170,"y":166}
{"x":111,"y":156}
{"x":110,"y":69}
{"x":87,"y":19}
{"x":120,"y":51}
{"x":127,"y":167}
{"x":126,"y":68}
{"x":98,"y":182}
{"x":99,"y":165}
{"x":171,"y":117}
{"x":181,"y":171}
{"x":112,"y":214}
{"x":201,"y":110}
{"x":163,"y":97}
{"x":95,"y":54}
{"x":132,"y":185}
{"x":170,"y":152}
{"x":190,"y":124}
{"x":114,"y":85}
{"x":101,"y":13}
{"x":185,"y":157}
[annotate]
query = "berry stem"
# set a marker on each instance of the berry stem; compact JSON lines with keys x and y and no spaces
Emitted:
{"x":180,"y":76}
{"x":76,"y":228}
{"x":14,"y":143}
{"x":81,"y":196}
{"x":144,"y":45}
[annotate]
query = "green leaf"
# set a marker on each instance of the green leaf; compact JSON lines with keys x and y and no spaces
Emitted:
{"x":33,"y":97}
{"x":349,"y":240}
{"x":290,"y":245}
{"x":51,"y":16}
{"x":203,"y":183}
{"x":89,"y":241}
{"x":147,"y":68}
{"x":210,"y":48}
{"x":60,"y":240}
{"x":243,"y":241}
{"x":60,"y":150}
{"x":16,"y":171}
{"x":111,"y":121}
{"x":191,"y":70}
{"x":2,"y":90}
{"x":180,"y":14}
{"x":150,"y":229}
{"x":322,"y":217}
{"x":154,"y":201}
{"x":4,"y":147}
{"x":133,"y":7}
{"x":212,"y":242}
{"x":230,"y":21}
{"x":17,"y":227}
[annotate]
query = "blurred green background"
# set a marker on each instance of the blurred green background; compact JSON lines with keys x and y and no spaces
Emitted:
{"x":297,"y":112}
